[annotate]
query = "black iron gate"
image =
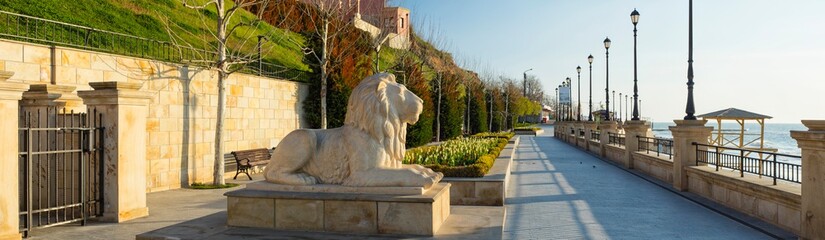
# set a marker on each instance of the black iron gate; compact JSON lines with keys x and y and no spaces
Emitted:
{"x":61,"y":170}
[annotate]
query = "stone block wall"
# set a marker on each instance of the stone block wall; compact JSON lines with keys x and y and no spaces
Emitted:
{"x":658,"y":167}
{"x":758,"y":197}
{"x":182,"y":115}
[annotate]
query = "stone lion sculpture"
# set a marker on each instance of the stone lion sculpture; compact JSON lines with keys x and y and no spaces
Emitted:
{"x":366,"y":152}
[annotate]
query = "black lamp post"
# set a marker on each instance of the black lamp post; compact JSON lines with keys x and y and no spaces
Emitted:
{"x":558,"y":103}
{"x":590,"y":102}
{"x":607,"y":77}
{"x":634,"y":17}
{"x":570,"y":104}
{"x":690,"y":109}
{"x":579,"y":101}
{"x":625,"y":106}
{"x":620,"y":107}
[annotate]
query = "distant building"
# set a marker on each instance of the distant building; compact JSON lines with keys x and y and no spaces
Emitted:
{"x":373,"y":16}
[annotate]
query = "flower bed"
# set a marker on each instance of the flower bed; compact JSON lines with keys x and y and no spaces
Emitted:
{"x":462,"y":157}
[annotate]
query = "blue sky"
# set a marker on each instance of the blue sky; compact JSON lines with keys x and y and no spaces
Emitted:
{"x":758,"y":55}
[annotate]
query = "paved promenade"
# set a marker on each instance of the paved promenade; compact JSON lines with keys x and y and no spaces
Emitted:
{"x":559,"y":192}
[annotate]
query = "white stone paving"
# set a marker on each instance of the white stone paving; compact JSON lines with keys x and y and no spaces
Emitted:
{"x":559,"y":192}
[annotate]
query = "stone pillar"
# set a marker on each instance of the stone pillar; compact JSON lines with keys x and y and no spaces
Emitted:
{"x":605,"y":128}
{"x":588,"y":126}
{"x":10,"y":94}
{"x":812,"y":143}
{"x":579,"y":126}
{"x":685,"y":133}
{"x":633,"y":129}
{"x":124,"y":109}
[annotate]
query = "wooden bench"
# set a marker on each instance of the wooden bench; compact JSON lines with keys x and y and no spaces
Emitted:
{"x":247,"y":159}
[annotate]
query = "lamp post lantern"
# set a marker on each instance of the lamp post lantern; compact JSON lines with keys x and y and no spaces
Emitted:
{"x":607,"y":77}
{"x":590,"y":102}
{"x":690,"y":109}
{"x":634,"y":17}
{"x":579,"y":97}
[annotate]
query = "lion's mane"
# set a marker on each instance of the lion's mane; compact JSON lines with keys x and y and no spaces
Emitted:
{"x":368,"y":109}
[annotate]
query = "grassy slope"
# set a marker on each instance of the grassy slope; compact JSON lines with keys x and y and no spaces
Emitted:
{"x":145,"y":18}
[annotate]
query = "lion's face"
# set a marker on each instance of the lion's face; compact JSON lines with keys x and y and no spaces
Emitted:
{"x":409,"y":105}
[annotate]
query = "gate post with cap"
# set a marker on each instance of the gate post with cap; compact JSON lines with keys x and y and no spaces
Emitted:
{"x":10,"y":94}
{"x":124,"y":110}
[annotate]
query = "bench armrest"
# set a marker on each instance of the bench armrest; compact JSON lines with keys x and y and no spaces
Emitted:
{"x":244,"y":162}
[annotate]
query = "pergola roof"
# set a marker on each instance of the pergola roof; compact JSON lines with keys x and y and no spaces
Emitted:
{"x":733,"y":113}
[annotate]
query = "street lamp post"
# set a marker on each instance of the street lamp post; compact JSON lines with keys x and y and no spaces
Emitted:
{"x":690,"y":109}
{"x":607,"y":77}
{"x":570,"y":105}
{"x":620,"y":107}
{"x":558,"y":104}
{"x":634,"y":17}
{"x":625,"y":106}
{"x":579,"y":102}
{"x":614,"y":103}
{"x":590,"y":102}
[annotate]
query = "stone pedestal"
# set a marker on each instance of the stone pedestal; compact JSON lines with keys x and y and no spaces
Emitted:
{"x":336,"y":211}
{"x":685,"y":133}
{"x":124,"y":109}
{"x":812,"y":143}
{"x":604,"y":129}
{"x":10,"y":94}
{"x":632,"y":130}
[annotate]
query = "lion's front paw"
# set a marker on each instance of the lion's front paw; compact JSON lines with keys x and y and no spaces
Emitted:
{"x":306,"y":178}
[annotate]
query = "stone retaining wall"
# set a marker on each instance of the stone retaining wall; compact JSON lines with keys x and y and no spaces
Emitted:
{"x":182,"y":115}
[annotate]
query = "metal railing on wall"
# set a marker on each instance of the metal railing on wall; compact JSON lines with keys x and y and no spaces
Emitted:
{"x":25,"y":28}
{"x":660,"y":146}
{"x":595,"y":135}
{"x":770,"y":164}
{"x":616,"y":138}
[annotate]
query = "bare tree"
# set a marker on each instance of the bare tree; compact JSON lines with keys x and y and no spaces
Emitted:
{"x":330,"y":20}
{"x":219,"y":56}
{"x":534,"y":89}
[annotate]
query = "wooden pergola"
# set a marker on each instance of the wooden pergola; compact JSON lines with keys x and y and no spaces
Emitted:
{"x":736,"y":137}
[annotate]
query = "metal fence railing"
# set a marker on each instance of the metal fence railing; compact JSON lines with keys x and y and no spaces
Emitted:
{"x":616,"y":138}
{"x":595,"y":135}
{"x":770,"y":164}
{"x":25,"y":28}
{"x":660,"y":146}
{"x":581,"y":133}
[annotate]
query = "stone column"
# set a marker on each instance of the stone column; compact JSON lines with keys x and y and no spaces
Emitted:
{"x":812,"y":143}
{"x":588,"y":126}
{"x":685,"y":133}
{"x":633,"y":129}
{"x":605,"y":128}
{"x":10,"y":94}
{"x":579,"y":126}
{"x":125,"y":109}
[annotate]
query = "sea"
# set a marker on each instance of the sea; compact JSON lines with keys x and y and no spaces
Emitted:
{"x":777,"y":135}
